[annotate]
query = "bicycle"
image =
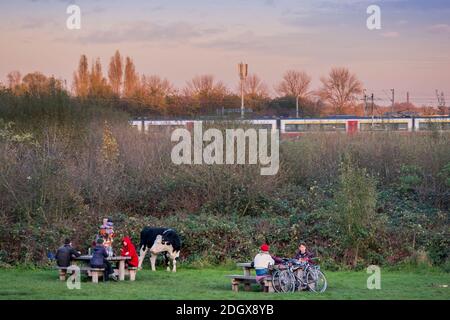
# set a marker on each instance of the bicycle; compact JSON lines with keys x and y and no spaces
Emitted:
{"x":294,"y":275}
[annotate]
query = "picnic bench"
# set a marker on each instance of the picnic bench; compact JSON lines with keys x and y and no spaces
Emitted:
{"x":247,"y":279}
{"x":94,"y":273}
{"x":121,"y":271}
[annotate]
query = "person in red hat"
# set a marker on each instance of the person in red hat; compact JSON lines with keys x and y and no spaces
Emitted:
{"x":262,"y":261}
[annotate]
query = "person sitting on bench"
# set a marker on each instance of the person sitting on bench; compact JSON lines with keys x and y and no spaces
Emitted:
{"x":262,"y":261}
{"x":99,"y":260}
{"x":128,"y":250}
{"x":303,"y":255}
{"x":65,"y":254}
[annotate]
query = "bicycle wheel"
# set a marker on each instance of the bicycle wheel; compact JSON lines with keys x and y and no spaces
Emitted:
{"x":276,"y":281}
{"x":316,"y":281}
{"x":300,"y":280}
{"x":287,"y":281}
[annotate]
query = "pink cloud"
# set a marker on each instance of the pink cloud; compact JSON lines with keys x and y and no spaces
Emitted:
{"x":439,"y":28}
{"x":391,"y":34}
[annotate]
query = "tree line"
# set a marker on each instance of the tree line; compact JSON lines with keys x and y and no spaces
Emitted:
{"x":141,"y":94}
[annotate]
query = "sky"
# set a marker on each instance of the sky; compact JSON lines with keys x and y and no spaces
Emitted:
{"x":180,"y":39}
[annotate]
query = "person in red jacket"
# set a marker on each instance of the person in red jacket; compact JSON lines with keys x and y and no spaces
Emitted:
{"x":128,"y":250}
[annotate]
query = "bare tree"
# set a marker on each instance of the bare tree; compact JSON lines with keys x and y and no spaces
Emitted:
{"x":254,"y":87}
{"x":115,"y":73}
{"x":14,"y":79}
{"x":81,"y":78}
{"x":205,"y":85}
{"x":155,"y":85}
{"x":131,"y":79}
{"x":205,"y":94}
{"x":295,"y":84}
{"x":340,"y":89}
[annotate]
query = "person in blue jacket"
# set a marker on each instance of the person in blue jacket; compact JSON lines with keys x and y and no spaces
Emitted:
{"x":99,"y":260}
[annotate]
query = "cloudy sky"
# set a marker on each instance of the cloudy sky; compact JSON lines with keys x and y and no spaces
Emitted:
{"x":179,"y":39}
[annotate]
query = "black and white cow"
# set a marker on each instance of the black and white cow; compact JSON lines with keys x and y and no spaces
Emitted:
{"x":160,"y":240}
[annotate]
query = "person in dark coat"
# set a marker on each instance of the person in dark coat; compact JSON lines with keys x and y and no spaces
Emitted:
{"x":99,"y":260}
{"x":65,"y":254}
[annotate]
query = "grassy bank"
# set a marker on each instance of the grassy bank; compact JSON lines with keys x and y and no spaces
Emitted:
{"x":211,"y":284}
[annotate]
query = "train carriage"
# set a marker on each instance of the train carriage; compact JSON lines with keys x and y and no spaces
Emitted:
{"x":432,"y":123}
{"x":292,"y":128}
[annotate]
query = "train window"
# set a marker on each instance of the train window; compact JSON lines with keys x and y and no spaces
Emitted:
{"x":291,"y":128}
{"x":434,"y":125}
{"x":332,"y":127}
{"x":312,"y":127}
{"x":262,"y":126}
{"x":382,"y":126}
{"x":399,"y":126}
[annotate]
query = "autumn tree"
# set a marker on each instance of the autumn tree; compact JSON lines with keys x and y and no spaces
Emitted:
{"x":131,"y":79}
{"x":14,"y":80}
{"x":115,"y":73}
{"x":110,"y":148}
{"x":256,"y":92}
{"x":35,"y":83}
{"x":206,"y":93}
{"x":98,"y":86}
{"x":255,"y":87}
{"x":81,"y":78}
{"x":204,"y":85}
{"x":154,"y":91}
{"x":340,"y":89}
{"x":294,"y":84}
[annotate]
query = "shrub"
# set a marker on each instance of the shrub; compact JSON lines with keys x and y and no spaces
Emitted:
{"x":439,"y":248}
{"x":355,"y":214}
{"x":410,"y":178}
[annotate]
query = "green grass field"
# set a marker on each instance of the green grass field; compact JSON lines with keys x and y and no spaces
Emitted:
{"x":211,"y":284}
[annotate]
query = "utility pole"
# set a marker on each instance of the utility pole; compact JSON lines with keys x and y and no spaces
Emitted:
{"x":441,"y":102}
{"x":243,"y":73}
{"x":296,"y":106}
{"x":393,"y":100}
{"x":365,"y":103}
{"x":373,"y":107}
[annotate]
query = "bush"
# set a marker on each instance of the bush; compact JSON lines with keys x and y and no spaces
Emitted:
{"x":355,"y":215}
{"x":410,"y":178}
{"x":439,"y":248}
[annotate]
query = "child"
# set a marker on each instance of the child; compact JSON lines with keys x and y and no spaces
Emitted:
{"x":262,"y":261}
{"x":107,"y":233}
{"x":128,"y":250}
{"x":99,"y":260}
{"x":303,"y":255}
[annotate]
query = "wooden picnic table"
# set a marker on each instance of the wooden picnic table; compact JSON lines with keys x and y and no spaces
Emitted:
{"x":247,"y":278}
{"x":120,"y":259}
{"x":247,"y":267}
